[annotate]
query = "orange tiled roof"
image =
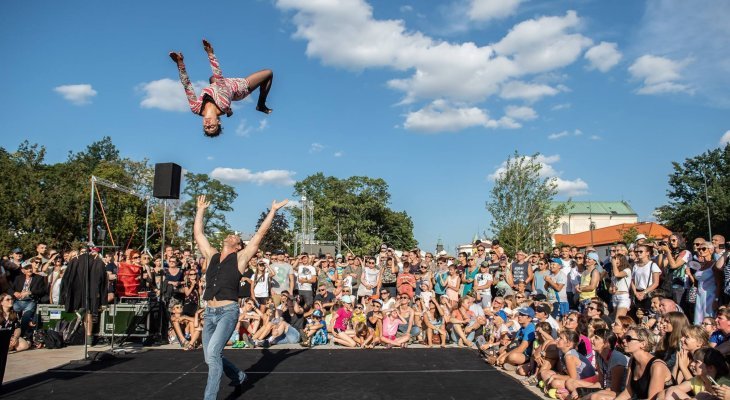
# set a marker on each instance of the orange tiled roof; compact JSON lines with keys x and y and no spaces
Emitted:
{"x":611,"y":234}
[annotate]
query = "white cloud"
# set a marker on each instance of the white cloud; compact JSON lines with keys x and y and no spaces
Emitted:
{"x":697,"y":29}
{"x":316,"y":148}
{"x":595,"y":137}
{"x":562,"y":106}
{"x":441,"y":116}
{"x":562,"y":134}
{"x":526,"y":91}
{"x":406,"y":9}
{"x":76,"y":94}
{"x":210,"y":158}
{"x":725,"y":139}
{"x":659,"y":75}
{"x":522,"y":113}
{"x":243,"y":175}
{"x":603,"y":56}
{"x":576,"y":187}
{"x":338,"y":154}
{"x":484,"y":10}
{"x":244,"y":129}
{"x":558,"y":135}
{"x":167,"y":94}
{"x":346,"y":34}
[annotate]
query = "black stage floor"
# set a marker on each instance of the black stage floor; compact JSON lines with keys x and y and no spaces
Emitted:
{"x":279,"y":374}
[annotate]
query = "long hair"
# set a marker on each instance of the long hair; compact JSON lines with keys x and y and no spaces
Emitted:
{"x":670,"y":341}
{"x":12,"y":315}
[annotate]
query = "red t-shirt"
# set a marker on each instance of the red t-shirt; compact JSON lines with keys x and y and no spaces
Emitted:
{"x":405,"y":283}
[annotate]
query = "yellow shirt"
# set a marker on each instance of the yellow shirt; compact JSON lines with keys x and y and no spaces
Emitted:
{"x":585,"y":280}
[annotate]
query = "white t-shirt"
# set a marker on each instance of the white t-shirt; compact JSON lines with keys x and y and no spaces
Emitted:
{"x":571,"y":274}
{"x":622,"y":284}
{"x":307,"y":272}
{"x":283,"y":270}
{"x":562,"y":295}
{"x":482,"y":279}
{"x":261,"y":289}
{"x":643,"y":275}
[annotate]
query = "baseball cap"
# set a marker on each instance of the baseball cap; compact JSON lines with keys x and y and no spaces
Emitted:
{"x":347,"y":298}
{"x":526,"y":311}
{"x":279,"y":252}
{"x":485,"y":264}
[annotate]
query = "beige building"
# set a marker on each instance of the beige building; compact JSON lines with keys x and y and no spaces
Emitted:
{"x":598,"y":214}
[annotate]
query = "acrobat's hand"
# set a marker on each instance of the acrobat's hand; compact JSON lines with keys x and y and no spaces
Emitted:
{"x":208,"y":48}
{"x":177,"y":57}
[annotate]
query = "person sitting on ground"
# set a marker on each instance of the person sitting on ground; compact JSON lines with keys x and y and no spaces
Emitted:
{"x":434,"y":323}
{"x":315,"y":331}
{"x":282,"y":332}
{"x":341,"y":323}
{"x":391,"y":320}
{"x":184,"y":327}
{"x":647,"y":375}
{"x":708,"y":367}
{"x":611,"y":370}
{"x":524,"y":339}
{"x":693,"y":338}
{"x":374,"y":321}
{"x":573,"y":365}
{"x":544,"y":357}
{"x":9,"y":320}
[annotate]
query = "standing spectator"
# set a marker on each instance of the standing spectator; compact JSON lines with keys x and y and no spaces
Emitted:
{"x":174,"y":280}
{"x":646,"y":277}
{"x":389,"y":274}
{"x":708,"y":287}
{"x":589,"y":280}
{"x":12,"y":266}
{"x":673,"y":259}
{"x":620,"y":284}
{"x":440,"y":278}
{"x":27,"y":290}
{"x":570,"y":270}
{"x":483,"y":285}
{"x":306,"y":277}
{"x":370,"y":280}
{"x":41,"y":252}
{"x":111,"y":273}
{"x":406,"y":283}
{"x":467,"y":277}
{"x":521,"y":270}
{"x":556,"y":285}
{"x":283,"y":277}
{"x":538,"y":277}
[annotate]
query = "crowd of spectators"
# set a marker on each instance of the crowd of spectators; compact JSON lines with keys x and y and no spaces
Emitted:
{"x":650,"y":320}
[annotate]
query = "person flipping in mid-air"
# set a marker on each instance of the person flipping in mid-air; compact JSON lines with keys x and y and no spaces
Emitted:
{"x":215,"y":100}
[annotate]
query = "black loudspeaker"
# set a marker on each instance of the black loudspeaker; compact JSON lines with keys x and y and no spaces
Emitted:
{"x":167,"y":181}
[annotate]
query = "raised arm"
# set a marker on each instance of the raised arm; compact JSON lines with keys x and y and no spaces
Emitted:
{"x":217,"y":74}
{"x":253,"y":244}
{"x":195,"y":103}
{"x":203,"y":245}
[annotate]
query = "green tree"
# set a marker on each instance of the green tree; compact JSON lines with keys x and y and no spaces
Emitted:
{"x":221,"y":197}
{"x":279,"y":236}
{"x":628,"y":235}
{"x":360,"y":205}
{"x":686,"y":211}
{"x":523,"y":214}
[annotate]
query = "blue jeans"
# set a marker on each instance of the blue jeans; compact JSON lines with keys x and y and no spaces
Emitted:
{"x":560,"y":309}
{"x":291,"y":336}
{"x":26,"y":308}
{"x":220,"y":322}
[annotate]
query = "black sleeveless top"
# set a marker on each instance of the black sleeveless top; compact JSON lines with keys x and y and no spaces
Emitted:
{"x":222,"y":278}
{"x":640,"y":386}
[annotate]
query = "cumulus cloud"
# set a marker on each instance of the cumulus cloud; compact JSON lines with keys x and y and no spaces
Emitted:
{"x":243,"y":175}
{"x":76,"y":94}
{"x":526,"y":91}
{"x":725,"y":139}
{"x":485,"y":10}
{"x":522,"y":113}
{"x":338,"y":154}
{"x":346,"y":34}
{"x":441,"y":116}
{"x":167,"y":94}
{"x":570,"y":188}
{"x":562,"y":106}
{"x":603,"y":56}
{"x":659,"y":75}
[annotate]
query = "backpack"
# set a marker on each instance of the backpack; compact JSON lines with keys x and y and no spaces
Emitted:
{"x":49,"y":339}
{"x":72,"y":333}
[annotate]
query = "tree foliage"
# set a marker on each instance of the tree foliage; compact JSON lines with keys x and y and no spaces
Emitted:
{"x":50,"y":202}
{"x":279,"y":236}
{"x":523,"y":215}
{"x":686,"y":211}
{"x":220,"y":196}
{"x":360,"y":204}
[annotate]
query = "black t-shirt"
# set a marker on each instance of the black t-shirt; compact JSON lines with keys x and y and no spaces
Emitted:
{"x":244,"y":289}
{"x":328,"y":298}
{"x":294,"y":319}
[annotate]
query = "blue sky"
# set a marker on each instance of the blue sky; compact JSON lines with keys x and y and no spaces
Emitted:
{"x":431,"y":96}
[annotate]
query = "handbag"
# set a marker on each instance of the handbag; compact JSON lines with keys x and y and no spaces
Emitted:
{"x":692,"y":295}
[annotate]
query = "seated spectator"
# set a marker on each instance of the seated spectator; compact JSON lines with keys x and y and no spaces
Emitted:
{"x":693,"y":338}
{"x":341,"y":323}
{"x":406,"y":313}
{"x":9,"y":320}
{"x":324,"y":297}
{"x":671,"y":325}
{"x":524,"y":340}
{"x":282,"y":332}
{"x":611,"y":370}
{"x":435,"y":326}
{"x":391,"y":320}
{"x":27,"y":290}
{"x":709,"y":324}
{"x":619,"y":328}
{"x":544,"y":357}
{"x":573,"y":365}
{"x":709,"y":369}
{"x":186,"y":330}
{"x":647,"y":375}
{"x":315,"y":331}
{"x":543,"y":314}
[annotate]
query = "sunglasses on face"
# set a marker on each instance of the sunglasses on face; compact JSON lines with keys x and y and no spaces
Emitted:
{"x":628,"y":339}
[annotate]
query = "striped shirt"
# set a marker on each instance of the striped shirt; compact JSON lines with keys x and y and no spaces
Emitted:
{"x":222,"y":91}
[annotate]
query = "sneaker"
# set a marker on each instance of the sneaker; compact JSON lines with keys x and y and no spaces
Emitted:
{"x":266,"y":344}
{"x":237,"y":345}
